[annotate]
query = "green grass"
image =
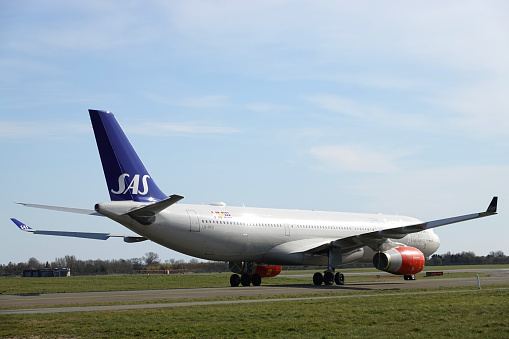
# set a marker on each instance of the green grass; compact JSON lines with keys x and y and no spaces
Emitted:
{"x":374,"y":270}
{"x":16,"y":285}
{"x":479,"y":314}
{"x":465,"y":313}
{"x":318,"y":294}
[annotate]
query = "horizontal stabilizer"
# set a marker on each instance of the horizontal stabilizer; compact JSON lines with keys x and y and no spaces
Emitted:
{"x":157,"y":206}
{"x":86,"y":235}
{"x":62,"y":209}
{"x":145,"y":215}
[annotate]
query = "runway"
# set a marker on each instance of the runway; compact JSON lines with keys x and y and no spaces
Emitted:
{"x":497,"y":277}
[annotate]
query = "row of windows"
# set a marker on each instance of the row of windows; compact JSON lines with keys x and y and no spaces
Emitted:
{"x":237,"y":223}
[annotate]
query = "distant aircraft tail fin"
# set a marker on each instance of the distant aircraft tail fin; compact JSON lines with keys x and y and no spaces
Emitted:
{"x":126,"y":176}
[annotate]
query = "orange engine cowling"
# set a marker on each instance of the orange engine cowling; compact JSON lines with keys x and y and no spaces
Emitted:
{"x":267,"y":271}
{"x":400,"y":260}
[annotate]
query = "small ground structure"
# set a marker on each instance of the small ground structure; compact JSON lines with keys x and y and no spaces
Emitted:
{"x":47,"y":272}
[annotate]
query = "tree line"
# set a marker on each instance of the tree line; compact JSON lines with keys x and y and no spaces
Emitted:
{"x":467,"y":258}
{"x":150,"y":263}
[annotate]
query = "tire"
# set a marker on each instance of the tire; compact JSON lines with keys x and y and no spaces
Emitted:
{"x":245,"y":280}
{"x":339,"y":279}
{"x":317,"y":278}
{"x":328,"y":278}
{"x":234,"y":280}
{"x":256,"y":280}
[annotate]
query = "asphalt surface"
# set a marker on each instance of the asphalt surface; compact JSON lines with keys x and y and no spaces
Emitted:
{"x":497,"y":277}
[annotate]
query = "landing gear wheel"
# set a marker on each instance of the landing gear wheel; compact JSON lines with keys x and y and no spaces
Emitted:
{"x":339,"y":279}
{"x":245,"y":280}
{"x":328,"y":278}
{"x":317,"y":278}
{"x":256,"y":280}
{"x":409,"y":277}
{"x":234,"y":280}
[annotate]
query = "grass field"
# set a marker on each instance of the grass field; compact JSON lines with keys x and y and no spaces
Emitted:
{"x":461,"y":312}
{"x":426,"y":268}
{"x":464,"y":314}
{"x":17,"y":285}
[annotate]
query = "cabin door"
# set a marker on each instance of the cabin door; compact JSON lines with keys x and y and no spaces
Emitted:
{"x":194,"y":222}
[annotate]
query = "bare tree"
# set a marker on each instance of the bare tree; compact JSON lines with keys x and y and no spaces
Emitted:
{"x":151,"y":258}
{"x":33,"y":263}
{"x":498,"y":253}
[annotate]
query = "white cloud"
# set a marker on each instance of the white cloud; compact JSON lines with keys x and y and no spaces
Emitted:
{"x":461,"y":33}
{"x":471,"y":110}
{"x":343,"y":105}
{"x":81,"y":27}
{"x":17,"y":130}
{"x":264,"y":107}
{"x":207,"y":101}
{"x":382,"y":80}
{"x":355,"y":159}
{"x":161,"y":129}
{"x":434,"y":192}
{"x":339,"y":104}
{"x":380,"y":114}
{"x":204,"y":101}
{"x":480,"y":109}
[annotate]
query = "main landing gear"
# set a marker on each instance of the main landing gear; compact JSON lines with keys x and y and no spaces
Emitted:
{"x":244,"y":276}
{"x":328,"y":278}
{"x":245,"y":280}
{"x":409,"y":277}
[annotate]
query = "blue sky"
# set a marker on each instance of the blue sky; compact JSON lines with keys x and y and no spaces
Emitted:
{"x":376,"y":107}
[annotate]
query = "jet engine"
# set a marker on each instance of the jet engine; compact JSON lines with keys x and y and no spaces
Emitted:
{"x":402,"y":260}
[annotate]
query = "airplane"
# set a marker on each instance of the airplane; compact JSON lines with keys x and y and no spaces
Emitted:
{"x":256,"y":242}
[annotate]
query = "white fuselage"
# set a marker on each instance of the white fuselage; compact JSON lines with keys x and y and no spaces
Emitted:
{"x":270,"y":236}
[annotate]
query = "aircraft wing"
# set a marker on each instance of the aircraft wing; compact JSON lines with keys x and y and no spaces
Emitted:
{"x":376,"y":238}
{"x":62,"y":209}
{"x":88,"y":235}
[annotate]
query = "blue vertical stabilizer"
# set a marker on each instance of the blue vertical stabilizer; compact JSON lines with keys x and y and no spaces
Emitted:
{"x":126,"y":176}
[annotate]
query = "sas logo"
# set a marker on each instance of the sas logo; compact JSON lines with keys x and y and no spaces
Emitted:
{"x":221,"y":215}
{"x":24,"y":227}
{"x":133,"y":186}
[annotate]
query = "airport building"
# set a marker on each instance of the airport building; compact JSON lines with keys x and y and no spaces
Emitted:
{"x":47,"y":272}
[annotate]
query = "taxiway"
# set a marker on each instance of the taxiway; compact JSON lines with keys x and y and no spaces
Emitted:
{"x":78,"y":300}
